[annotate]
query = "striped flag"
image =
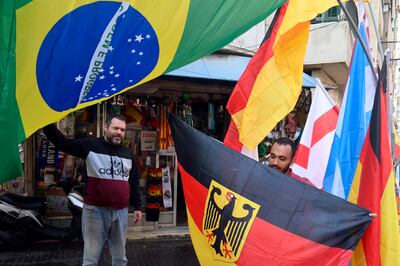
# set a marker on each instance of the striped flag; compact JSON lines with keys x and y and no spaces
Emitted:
{"x":316,"y":140}
{"x":242,"y":213}
{"x":353,"y":122}
{"x":272,"y":82}
{"x":244,"y":86}
{"x":373,"y":188}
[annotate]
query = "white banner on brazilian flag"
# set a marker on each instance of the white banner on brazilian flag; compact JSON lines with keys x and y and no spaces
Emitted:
{"x":166,"y":187}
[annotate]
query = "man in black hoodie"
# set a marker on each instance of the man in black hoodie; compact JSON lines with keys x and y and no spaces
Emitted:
{"x":112,"y":182}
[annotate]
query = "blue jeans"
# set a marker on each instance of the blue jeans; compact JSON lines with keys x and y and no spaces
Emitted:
{"x":101,"y":224}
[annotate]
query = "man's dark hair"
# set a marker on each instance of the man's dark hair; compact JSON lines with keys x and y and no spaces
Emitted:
{"x":112,"y":116}
{"x":287,"y":141}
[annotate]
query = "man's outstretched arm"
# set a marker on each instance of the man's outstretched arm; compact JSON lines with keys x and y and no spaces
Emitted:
{"x":70,"y":146}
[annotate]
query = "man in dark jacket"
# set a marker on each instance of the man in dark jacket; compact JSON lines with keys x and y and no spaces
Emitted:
{"x":112,"y":182}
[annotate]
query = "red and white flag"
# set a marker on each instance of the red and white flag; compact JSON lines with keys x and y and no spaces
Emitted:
{"x":312,"y":155}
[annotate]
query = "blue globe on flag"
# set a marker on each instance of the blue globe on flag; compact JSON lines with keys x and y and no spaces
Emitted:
{"x":93,"y":52}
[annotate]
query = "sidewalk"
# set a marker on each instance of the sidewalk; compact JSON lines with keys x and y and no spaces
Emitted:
{"x":162,"y":250}
{"x":145,"y":232}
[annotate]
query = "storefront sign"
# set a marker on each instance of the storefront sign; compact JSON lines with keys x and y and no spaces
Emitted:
{"x":148,"y":140}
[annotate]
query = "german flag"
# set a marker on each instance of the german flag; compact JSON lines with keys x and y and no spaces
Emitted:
{"x":133,"y":114}
{"x":373,"y":188}
{"x":271,"y":84}
{"x":242,"y":91}
{"x":244,"y":213}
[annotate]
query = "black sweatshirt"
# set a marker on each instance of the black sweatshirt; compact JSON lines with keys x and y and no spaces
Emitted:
{"x":112,"y":174}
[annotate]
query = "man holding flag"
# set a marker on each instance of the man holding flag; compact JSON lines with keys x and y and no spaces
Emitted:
{"x":237,"y":204}
{"x":243,"y":213}
{"x":281,"y":156}
{"x":253,"y":110}
{"x":77,"y":53}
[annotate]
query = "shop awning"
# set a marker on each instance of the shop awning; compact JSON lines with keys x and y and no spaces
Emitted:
{"x":222,"y":67}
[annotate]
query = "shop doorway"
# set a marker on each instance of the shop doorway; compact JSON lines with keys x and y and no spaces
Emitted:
{"x":181,"y":214}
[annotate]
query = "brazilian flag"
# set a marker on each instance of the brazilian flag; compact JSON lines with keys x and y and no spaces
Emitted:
{"x":57,"y":56}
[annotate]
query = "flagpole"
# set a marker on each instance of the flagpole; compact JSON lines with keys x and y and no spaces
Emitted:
{"x":355,"y":31}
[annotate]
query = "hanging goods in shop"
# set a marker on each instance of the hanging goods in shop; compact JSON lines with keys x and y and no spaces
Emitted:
{"x":187,"y":114}
{"x":165,"y":131}
{"x":154,"y":197}
{"x":50,"y":165}
{"x":133,"y":114}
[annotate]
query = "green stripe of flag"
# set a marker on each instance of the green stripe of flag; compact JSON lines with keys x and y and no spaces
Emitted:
{"x":215,"y":23}
{"x":10,"y":123}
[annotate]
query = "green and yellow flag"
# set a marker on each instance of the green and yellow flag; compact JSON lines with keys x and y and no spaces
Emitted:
{"x":58,"y":56}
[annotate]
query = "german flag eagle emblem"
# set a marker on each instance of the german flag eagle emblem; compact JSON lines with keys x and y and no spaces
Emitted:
{"x":227,"y":221}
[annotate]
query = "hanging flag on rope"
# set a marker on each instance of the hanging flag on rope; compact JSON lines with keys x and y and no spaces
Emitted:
{"x":373,"y":188}
{"x":271,"y":84}
{"x":353,"y":122}
{"x":316,"y":140}
{"x":243,"y":213}
{"x":76,"y":53}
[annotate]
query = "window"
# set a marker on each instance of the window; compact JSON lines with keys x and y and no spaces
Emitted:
{"x":331,"y":15}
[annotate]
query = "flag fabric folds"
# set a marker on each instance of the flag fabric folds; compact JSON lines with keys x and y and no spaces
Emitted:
{"x":133,"y":114}
{"x":396,"y":146}
{"x":244,"y":213}
{"x":271,"y":84}
{"x":316,"y":140}
{"x":353,"y":122}
{"x":10,"y":163}
{"x":59,"y":56}
{"x":374,"y":188}
{"x":242,"y":90}
{"x":232,"y":140}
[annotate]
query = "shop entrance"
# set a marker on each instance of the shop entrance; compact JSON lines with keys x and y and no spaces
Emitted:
{"x":181,"y":214}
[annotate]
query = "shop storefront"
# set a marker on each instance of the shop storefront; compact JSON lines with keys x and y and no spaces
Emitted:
{"x":200,"y":103}
{"x":197,"y":93}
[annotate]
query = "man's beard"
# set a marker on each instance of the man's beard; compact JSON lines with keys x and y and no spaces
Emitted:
{"x":114,"y":140}
{"x":279,"y":169}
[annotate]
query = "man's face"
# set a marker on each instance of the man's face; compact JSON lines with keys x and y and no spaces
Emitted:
{"x":115,"y":132}
{"x":280,"y":157}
